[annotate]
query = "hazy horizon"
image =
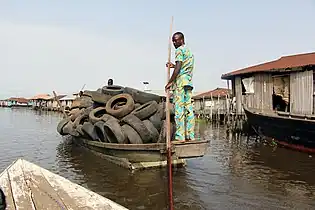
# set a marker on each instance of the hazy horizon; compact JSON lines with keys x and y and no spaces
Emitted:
{"x":58,"y":45}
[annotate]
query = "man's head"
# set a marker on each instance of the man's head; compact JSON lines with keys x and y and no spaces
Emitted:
{"x":178,"y":39}
{"x":110,"y":82}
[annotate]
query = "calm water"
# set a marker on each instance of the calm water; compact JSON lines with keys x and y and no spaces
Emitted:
{"x":235,"y":174}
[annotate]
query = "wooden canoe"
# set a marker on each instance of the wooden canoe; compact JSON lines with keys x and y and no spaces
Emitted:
{"x":139,"y":156}
{"x":28,"y":186}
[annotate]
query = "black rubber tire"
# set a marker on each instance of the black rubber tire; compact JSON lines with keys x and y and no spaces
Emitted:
{"x":153,"y":131}
{"x":79,"y":130}
{"x":122,"y":110}
{"x":131,"y":136}
{"x":80,"y":120}
{"x":146,"y":110}
{"x":75,"y":104}
{"x":68,"y":129}
{"x":87,"y":93}
{"x":162,"y":135}
{"x":156,"y":121}
{"x":89,"y":131}
{"x":86,"y":102}
{"x":139,"y":126}
{"x":62,"y":124}
{"x":97,"y":97}
{"x":137,"y":105}
{"x":100,"y":131}
{"x":113,"y":90}
{"x":142,"y":97}
{"x":75,"y":114}
{"x":107,"y":117}
{"x":87,"y":110}
{"x":96,"y":114}
{"x":82,"y":102}
{"x":161,"y":111}
{"x":74,"y":111}
{"x":113,"y":132}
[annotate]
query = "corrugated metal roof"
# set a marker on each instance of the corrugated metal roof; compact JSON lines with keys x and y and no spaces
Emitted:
{"x":41,"y":96}
{"x":284,"y":62}
{"x":19,"y":100}
{"x":215,"y":93}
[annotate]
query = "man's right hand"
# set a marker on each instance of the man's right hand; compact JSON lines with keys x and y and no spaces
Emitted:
{"x":169,"y":64}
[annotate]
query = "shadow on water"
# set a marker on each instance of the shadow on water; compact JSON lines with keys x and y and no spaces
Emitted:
{"x":236,"y":173}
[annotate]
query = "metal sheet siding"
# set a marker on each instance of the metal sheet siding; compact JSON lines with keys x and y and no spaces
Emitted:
{"x":301,"y":92}
{"x":263,"y":91}
{"x":238,"y":95}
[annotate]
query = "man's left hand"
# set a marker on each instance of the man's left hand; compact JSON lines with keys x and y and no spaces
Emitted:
{"x":168,"y":86}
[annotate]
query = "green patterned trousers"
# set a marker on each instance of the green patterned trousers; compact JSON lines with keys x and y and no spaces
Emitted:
{"x":184,"y":115}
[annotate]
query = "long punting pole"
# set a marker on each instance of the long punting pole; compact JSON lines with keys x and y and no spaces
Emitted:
{"x":168,"y":127}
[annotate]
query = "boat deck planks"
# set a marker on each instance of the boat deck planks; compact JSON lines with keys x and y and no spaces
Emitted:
{"x":28,"y":186}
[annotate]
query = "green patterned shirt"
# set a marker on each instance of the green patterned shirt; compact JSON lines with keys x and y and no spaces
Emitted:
{"x":184,"y":78}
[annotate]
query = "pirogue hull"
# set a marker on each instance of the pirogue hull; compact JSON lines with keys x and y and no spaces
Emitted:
{"x":140,"y":156}
{"x":289,"y":130}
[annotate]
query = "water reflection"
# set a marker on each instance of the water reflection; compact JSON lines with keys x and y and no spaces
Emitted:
{"x":138,"y":190}
{"x":236,"y":173}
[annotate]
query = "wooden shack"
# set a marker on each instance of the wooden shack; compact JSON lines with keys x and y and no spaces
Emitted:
{"x":285,"y":84}
{"x":212,"y":103}
{"x":17,"y":102}
{"x":40,"y":101}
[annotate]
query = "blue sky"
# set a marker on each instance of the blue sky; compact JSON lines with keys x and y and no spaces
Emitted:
{"x":62,"y":45}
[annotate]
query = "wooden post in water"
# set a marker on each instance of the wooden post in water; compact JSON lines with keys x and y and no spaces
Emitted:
{"x":203,"y":107}
{"x":218,"y":110}
{"x":228,"y":101}
{"x":212,"y":104}
{"x":168,"y":127}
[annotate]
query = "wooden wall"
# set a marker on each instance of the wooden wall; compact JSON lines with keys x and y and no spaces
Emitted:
{"x":238,"y":94}
{"x":262,"y":96}
{"x":301,"y":92}
{"x":220,"y":105}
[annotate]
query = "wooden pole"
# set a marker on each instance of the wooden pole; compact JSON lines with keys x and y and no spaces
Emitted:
{"x":211,"y":107}
{"x":168,"y":127}
{"x":218,"y":114}
{"x":63,"y":111}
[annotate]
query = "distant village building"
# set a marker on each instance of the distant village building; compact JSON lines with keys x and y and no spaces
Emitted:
{"x":285,"y":84}
{"x":3,"y":103}
{"x":52,"y":104}
{"x":40,"y":100}
{"x":17,"y":102}
{"x":212,"y":102}
{"x":67,"y":100}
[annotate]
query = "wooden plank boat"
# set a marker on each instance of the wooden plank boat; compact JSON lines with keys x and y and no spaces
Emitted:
{"x":28,"y":186}
{"x":294,"y":131}
{"x":140,"y":156}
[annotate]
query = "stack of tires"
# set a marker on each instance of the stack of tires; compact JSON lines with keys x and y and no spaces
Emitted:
{"x":115,"y":114}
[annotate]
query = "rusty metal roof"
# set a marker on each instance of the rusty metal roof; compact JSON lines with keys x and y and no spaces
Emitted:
{"x":41,"y":97}
{"x":222,"y":92}
{"x":19,"y":100}
{"x":284,"y":62}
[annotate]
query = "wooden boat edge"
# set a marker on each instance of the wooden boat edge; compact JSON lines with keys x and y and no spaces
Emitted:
{"x":143,"y":147}
{"x":75,"y":192}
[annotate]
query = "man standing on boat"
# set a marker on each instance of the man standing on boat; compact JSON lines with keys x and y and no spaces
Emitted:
{"x":181,"y":84}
